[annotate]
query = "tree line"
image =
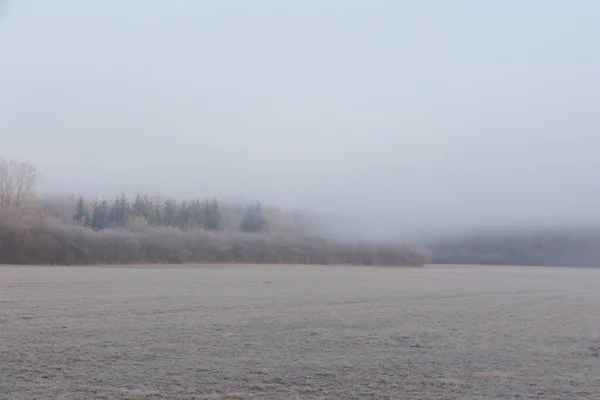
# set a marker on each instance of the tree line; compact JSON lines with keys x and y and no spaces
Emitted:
{"x":146,"y":229}
{"x":210,"y":215}
{"x":75,"y":230}
{"x":577,"y":247}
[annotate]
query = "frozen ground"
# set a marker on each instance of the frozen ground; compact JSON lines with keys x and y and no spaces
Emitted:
{"x":262,"y":332}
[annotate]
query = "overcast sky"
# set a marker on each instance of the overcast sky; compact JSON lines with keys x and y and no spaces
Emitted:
{"x":425,"y":113}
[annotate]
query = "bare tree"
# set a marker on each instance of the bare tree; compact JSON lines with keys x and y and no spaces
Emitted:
{"x":17,"y":186}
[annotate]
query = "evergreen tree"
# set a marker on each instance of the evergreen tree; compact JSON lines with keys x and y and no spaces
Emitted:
{"x":196,"y":214}
{"x":138,"y":207}
{"x":117,"y":213}
{"x":212,"y":215}
{"x":171,"y":213}
{"x":81,"y":216}
{"x":153,"y":210}
{"x":184,"y":216}
{"x":254,"y":220}
{"x":125,"y":210}
{"x":144,"y":207}
{"x":100,"y":215}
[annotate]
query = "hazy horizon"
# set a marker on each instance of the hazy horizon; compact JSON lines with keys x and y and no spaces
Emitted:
{"x":413,"y":116}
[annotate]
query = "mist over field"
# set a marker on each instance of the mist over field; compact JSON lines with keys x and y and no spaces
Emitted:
{"x":389,"y":120}
{"x":301,"y":199}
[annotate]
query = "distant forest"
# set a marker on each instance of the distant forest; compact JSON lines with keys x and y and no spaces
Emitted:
{"x":145,"y":211}
{"x":145,"y":229}
{"x":577,"y":247}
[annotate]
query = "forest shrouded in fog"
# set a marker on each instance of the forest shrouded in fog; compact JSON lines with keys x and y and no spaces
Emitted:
{"x":149,"y":229}
{"x":67,"y":230}
{"x":303,"y":131}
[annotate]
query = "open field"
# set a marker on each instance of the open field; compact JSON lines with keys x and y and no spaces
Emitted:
{"x":274,"y":332}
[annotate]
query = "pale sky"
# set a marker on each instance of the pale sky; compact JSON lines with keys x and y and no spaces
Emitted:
{"x":423,"y":113}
